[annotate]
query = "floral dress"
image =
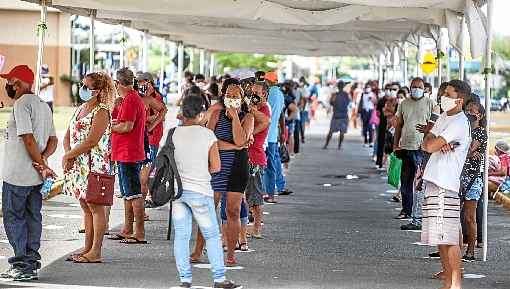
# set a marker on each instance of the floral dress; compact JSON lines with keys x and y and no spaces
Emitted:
{"x":76,"y":178}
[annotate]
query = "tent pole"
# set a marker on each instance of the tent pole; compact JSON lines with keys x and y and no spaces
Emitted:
{"x":180,"y":63}
{"x":488,"y":77}
{"x":404,"y":72}
{"x":145,"y":51}
{"x":211,"y":65}
{"x":462,"y":59}
{"x":202,"y":61}
{"x":381,"y":76}
{"x":419,"y":73}
{"x":41,"y":33}
{"x":191,"y":66}
{"x":92,"y":40}
{"x":439,"y":43}
{"x":162,"y":65}
{"x":121,"y":60}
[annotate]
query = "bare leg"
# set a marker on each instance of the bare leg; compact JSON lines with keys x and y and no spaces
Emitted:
{"x":99,"y":220}
{"x":443,"y":253}
{"x":340,"y":140}
{"x":89,"y":229}
{"x":233,"y":222}
{"x":454,"y":260}
{"x":470,"y":219}
{"x":127,"y":230}
{"x":291,"y":144}
{"x":144,"y":181}
{"x":107,"y":210}
{"x":257,"y":216}
{"x":328,"y":139}
{"x":138,"y":210}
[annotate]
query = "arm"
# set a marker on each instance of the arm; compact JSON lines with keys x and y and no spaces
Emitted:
{"x":67,"y":141}
{"x":161,"y":112}
{"x":262,"y":121}
{"x":32,"y":149}
{"x":332,"y":98}
{"x":241,"y":131}
{"x":281,"y":124}
{"x":123,"y":127}
{"x":51,"y":147}
{"x":432,"y":143}
{"x":399,"y":124}
{"x":214,"y":159}
{"x":99,"y":124}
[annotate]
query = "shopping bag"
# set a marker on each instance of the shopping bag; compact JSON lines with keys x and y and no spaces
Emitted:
{"x":394,"y":171}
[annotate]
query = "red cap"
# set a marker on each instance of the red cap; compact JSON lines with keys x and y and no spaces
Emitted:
{"x":21,"y":72}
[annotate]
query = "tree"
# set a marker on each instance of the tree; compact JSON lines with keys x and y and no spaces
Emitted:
{"x":245,"y":60}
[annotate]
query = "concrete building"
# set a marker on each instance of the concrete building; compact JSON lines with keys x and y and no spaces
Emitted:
{"x":18,"y":44}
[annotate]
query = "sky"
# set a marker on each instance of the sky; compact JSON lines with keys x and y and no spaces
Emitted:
{"x":501,"y":8}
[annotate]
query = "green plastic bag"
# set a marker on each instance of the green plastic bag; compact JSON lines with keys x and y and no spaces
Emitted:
{"x":394,"y":171}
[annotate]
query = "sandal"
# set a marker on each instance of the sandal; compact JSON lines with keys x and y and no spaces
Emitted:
{"x":133,"y":241}
{"x":84,"y":260}
{"x":117,"y":237}
{"x":231,"y":262}
{"x":72,"y":257}
{"x":242,"y":247}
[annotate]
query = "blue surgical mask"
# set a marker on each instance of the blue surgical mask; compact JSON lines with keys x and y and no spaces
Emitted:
{"x":85,"y":94}
{"x":417,"y":93}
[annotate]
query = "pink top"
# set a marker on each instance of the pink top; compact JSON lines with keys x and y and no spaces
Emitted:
{"x":256,"y":151}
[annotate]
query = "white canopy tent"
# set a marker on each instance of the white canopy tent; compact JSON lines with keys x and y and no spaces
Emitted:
{"x":297,"y":27}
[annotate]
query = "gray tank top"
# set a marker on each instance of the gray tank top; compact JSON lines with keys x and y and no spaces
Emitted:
{"x":341,"y":105}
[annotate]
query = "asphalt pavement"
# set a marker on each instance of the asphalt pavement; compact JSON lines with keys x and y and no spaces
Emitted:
{"x":336,"y":232}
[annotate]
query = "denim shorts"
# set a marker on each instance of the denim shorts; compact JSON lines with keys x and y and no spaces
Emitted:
{"x":129,"y":180}
{"x":243,"y":214}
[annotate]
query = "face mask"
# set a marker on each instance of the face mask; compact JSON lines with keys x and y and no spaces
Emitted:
{"x":387,"y":92}
{"x":471,"y":118}
{"x":426,"y":94}
{"x":368,"y":90}
{"x":142,"y":89}
{"x":417,"y":93}
{"x":85,"y":94}
{"x":393,"y":93}
{"x":201,"y":85}
{"x":232,"y":102}
{"x":11,"y":92}
{"x":447,"y":103}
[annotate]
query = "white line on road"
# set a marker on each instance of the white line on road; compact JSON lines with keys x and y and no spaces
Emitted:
{"x":64,"y":216}
{"x":208,"y":266}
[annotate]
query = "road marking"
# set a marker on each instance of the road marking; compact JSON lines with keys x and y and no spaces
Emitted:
{"x":327,"y":185}
{"x":53,"y":227}
{"x":265,"y":213}
{"x":420,"y":244}
{"x":74,"y":205}
{"x":208,"y":266}
{"x":414,"y":231}
{"x":249,"y":251}
{"x":64,"y":216}
{"x":351,"y":177}
{"x":392,"y":191}
{"x":473,"y":276}
{"x":398,"y":209}
{"x":384,"y":195}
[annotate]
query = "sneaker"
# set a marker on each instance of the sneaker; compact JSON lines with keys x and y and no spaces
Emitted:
{"x":26,"y":276}
{"x":410,"y":227}
{"x":185,"y":285}
{"x":402,"y":216}
{"x":227,"y":284}
{"x":10,"y":273}
{"x":468,"y":259}
{"x":285,"y":192}
{"x":148,"y":204}
{"x":434,"y":255}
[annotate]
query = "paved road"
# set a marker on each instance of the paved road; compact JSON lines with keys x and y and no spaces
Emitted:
{"x":338,"y":236}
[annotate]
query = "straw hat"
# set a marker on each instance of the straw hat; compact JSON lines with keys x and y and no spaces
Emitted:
{"x":502,"y":146}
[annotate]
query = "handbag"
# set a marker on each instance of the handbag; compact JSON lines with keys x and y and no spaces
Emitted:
{"x":284,"y":154}
{"x":99,"y":187}
{"x":394,"y":171}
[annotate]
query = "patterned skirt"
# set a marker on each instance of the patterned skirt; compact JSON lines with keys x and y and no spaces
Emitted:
{"x":441,"y":216}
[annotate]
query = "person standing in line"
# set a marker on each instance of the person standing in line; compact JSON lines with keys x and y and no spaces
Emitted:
{"x":304,"y":106}
{"x":30,"y":139}
{"x":47,"y":84}
{"x":258,"y":160}
{"x":128,"y":150}
{"x":366,"y":106}
{"x":197,"y":157}
{"x":340,"y":119}
{"x":448,"y":143}
{"x":411,"y":112}
{"x":87,"y":147}
{"x":389,"y":92}
{"x":276,"y":102}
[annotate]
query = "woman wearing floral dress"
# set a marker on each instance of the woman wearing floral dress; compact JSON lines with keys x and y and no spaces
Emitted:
{"x":87,"y":143}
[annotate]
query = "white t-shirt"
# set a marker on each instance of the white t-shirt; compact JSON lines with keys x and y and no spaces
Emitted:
{"x":444,"y":169}
{"x":192,"y":145}
{"x":47,"y":93}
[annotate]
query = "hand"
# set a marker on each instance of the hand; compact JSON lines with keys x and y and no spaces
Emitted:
{"x":421,"y":128}
{"x":251,"y":140}
{"x":232,"y":113}
{"x":396,"y":147}
{"x":67,"y":164}
{"x":282,"y":138}
{"x":254,"y":108}
{"x":44,"y":170}
{"x":477,"y":156}
{"x":115,"y":122}
{"x":448,"y":148}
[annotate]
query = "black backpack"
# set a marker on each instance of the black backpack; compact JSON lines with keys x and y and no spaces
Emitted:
{"x":162,"y":178}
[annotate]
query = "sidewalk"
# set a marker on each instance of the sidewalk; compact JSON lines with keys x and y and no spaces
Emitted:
{"x":333,"y":233}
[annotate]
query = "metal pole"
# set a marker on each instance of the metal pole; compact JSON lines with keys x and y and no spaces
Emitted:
{"x":202,"y":61}
{"x":419,"y":73}
{"x":173,"y":68}
{"x":488,"y":76}
{"x":145,"y":51}
{"x":162,"y":65}
{"x":406,"y":64}
{"x":448,"y":68}
{"x":122,"y":46}
{"x":92,"y":40}
{"x":439,"y":43}
{"x":462,"y":59}
{"x":40,"y":48}
{"x":211,"y":65}
{"x":192,"y":59}
{"x":381,"y":76}
{"x":180,"y":63}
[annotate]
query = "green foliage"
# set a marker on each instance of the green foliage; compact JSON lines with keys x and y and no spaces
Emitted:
{"x":245,"y":60}
{"x":501,"y":46}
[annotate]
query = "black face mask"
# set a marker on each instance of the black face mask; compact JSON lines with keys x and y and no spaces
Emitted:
{"x":142,"y":89}
{"x":471,"y":118}
{"x":11,"y":92}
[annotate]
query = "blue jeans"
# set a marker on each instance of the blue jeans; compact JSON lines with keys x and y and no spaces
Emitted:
{"x":273,"y":176}
{"x":189,"y":205}
{"x":411,"y":160}
{"x":21,"y":207}
{"x":419,"y":197}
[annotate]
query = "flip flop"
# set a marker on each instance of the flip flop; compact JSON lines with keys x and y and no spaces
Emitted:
{"x":231,"y":263}
{"x":117,"y":237}
{"x":133,"y":241}
{"x":71,"y":257}
{"x":85,"y":260}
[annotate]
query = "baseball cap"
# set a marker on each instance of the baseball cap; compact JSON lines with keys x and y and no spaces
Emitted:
{"x":271,"y":76}
{"x":145,"y":76}
{"x":21,"y":72}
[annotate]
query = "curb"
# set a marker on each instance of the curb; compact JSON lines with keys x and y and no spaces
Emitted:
{"x":502,"y":199}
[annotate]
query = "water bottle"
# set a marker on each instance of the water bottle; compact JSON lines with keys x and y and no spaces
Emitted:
{"x":46,"y":187}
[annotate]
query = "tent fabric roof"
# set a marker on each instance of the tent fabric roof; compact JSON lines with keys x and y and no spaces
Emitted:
{"x":304,"y":27}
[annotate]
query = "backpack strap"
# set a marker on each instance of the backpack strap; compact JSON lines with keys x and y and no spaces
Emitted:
{"x":173,"y":165}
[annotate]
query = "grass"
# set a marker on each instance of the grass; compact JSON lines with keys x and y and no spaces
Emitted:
{"x":61,"y":117}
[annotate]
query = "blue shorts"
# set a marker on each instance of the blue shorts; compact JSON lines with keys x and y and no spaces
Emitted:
{"x":153,"y":152}
{"x":244,"y":210}
{"x":291,"y":125}
{"x":475,"y":191}
{"x":129,"y":180}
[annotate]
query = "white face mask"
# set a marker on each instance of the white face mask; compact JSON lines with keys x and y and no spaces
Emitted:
{"x":417,"y":93}
{"x":387,"y":92}
{"x":368,"y":90}
{"x":393,"y":93}
{"x":232,"y":102}
{"x":447,"y":103}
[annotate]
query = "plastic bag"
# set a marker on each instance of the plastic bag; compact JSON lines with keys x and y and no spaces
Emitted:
{"x":394,"y":171}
